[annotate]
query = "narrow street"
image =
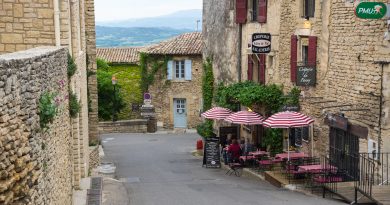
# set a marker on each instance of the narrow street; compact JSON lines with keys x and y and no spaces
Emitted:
{"x":159,"y":169}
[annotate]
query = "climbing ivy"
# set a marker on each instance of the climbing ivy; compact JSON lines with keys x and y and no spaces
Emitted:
{"x":148,"y":74}
{"x":206,"y":129}
{"x":249,"y":93}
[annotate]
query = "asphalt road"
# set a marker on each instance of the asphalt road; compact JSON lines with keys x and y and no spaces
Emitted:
{"x":158,"y":169}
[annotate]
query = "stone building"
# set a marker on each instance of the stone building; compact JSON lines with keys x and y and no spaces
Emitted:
{"x":350,"y":63}
{"x":176,"y":90}
{"x":25,"y":25}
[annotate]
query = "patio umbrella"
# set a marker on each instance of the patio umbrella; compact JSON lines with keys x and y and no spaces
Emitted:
{"x":288,"y":120}
{"x":245,"y":118}
{"x":217,"y":113}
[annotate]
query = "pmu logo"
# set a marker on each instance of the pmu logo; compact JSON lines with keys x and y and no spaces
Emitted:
{"x":371,"y":10}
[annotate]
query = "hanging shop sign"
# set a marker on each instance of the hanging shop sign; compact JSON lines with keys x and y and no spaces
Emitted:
{"x":306,"y":76}
{"x":371,"y":10}
{"x":336,"y":121}
{"x":261,"y":42}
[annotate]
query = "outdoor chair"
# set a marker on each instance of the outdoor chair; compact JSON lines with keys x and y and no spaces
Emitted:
{"x":235,"y":167}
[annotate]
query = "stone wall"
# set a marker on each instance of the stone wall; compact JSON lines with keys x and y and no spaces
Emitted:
{"x":220,"y":34}
{"x":36,"y":165}
{"x":94,"y":159}
{"x":164,"y":92}
{"x":126,"y":126}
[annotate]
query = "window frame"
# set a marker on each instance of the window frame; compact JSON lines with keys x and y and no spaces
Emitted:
{"x":307,"y":11}
{"x":179,"y":69}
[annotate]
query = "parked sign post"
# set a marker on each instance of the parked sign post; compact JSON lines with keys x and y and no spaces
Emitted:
{"x":371,"y":10}
{"x":261,"y":42}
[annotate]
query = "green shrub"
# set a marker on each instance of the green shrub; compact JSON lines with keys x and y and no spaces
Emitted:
{"x":273,"y":140}
{"x":106,"y":94}
{"x":72,"y":67}
{"x":205,"y":129}
{"x":74,"y":105}
{"x":48,"y":109}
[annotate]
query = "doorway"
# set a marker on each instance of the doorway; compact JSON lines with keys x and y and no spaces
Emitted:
{"x":180,"y":113}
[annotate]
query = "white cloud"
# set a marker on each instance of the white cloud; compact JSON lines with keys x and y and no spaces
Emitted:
{"x":106,"y":10}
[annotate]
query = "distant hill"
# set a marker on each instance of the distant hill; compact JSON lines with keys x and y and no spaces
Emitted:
{"x":185,"y":19}
{"x":137,"y":36}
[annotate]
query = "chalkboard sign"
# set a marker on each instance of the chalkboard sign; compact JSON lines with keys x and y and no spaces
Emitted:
{"x":306,"y":75}
{"x":211,"y":155}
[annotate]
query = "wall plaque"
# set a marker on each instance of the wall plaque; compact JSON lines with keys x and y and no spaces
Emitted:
{"x":306,"y":75}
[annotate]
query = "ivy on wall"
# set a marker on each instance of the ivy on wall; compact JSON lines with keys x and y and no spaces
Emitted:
{"x":74,"y":105}
{"x":206,"y":129}
{"x":148,"y":74}
{"x":48,"y":109}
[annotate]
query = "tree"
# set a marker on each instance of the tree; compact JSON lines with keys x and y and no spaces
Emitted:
{"x":106,"y":93}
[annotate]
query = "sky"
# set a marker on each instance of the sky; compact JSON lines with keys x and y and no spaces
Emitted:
{"x":108,"y":10}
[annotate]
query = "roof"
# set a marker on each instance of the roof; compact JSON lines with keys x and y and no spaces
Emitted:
{"x":119,"y":55}
{"x":184,"y":44}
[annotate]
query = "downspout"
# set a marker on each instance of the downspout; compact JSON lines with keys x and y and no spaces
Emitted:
{"x":57,"y":28}
{"x":239,"y":67}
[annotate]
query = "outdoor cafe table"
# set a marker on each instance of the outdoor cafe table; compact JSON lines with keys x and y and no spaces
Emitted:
{"x":253,"y":155}
{"x":294,"y":155}
{"x":317,"y":168}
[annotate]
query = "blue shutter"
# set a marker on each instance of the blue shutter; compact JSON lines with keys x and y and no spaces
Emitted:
{"x":188,"y":69}
{"x":169,"y":70}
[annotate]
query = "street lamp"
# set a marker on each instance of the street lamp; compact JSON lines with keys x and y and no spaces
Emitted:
{"x":114,"y":81}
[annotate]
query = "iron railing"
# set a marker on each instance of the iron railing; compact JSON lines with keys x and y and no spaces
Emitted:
{"x":374,"y":171}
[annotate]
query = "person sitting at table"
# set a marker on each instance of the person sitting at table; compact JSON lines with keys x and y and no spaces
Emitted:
{"x":234,"y":150}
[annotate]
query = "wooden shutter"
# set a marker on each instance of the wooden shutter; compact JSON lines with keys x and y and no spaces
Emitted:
{"x":262,"y":14}
{"x":169,"y":70}
{"x":293,"y":58}
{"x":262,"y":62}
{"x":250,"y":68}
{"x":241,"y":11}
{"x":188,"y":69}
{"x":312,"y":51}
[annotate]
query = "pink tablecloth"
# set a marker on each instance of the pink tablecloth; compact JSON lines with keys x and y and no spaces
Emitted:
{"x":317,"y":168}
{"x":294,"y":155}
{"x":258,"y":153}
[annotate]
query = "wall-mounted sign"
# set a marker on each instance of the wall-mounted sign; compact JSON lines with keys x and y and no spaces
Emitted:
{"x":336,"y":121}
{"x":147,"y":98}
{"x":261,"y":42}
{"x":294,"y":108}
{"x":371,"y":10}
{"x":306,"y":75}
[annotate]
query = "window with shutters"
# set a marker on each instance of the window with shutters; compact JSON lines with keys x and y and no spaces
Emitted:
{"x":179,"y":69}
{"x":303,"y":50}
{"x":308,"y":8}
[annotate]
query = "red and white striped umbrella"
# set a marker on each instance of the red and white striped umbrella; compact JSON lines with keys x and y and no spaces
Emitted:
{"x":245,"y":118}
{"x":288,"y":119}
{"x":217,"y":113}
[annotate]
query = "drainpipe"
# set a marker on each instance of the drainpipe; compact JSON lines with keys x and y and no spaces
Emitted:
{"x":239,"y":69}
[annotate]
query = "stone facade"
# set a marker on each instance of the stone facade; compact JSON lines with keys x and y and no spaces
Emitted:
{"x":35,"y":165}
{"x":28,"y":24}
{"x":349,"y":53}
{"x":164,"y":92}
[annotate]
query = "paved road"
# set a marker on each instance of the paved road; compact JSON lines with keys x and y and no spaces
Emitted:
{"x":160,"y":170}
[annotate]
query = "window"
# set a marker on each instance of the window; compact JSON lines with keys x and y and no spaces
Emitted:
{"x":305,"y":53}
{"x":308,"y":8}
{"x":179,"y":69}
{"x":254,"y":9}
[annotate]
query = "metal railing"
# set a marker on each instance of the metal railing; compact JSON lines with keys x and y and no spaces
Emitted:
{"x":374,"y":171}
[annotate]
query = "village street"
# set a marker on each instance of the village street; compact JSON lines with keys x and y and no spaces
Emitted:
{"x":160,"y":169}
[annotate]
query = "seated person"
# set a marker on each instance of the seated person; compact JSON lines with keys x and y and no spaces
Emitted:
{"x":234,"y":150}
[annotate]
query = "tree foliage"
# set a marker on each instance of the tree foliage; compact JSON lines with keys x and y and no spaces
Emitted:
{"x":106,"y":93}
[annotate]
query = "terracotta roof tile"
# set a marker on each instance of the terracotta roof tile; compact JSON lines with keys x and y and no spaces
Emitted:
{"x":185,"y":44}
{"x":119,"y":55}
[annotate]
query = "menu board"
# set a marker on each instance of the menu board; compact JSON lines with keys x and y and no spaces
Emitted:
{"x":306,"y":76}
{"x":211,"y":156}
